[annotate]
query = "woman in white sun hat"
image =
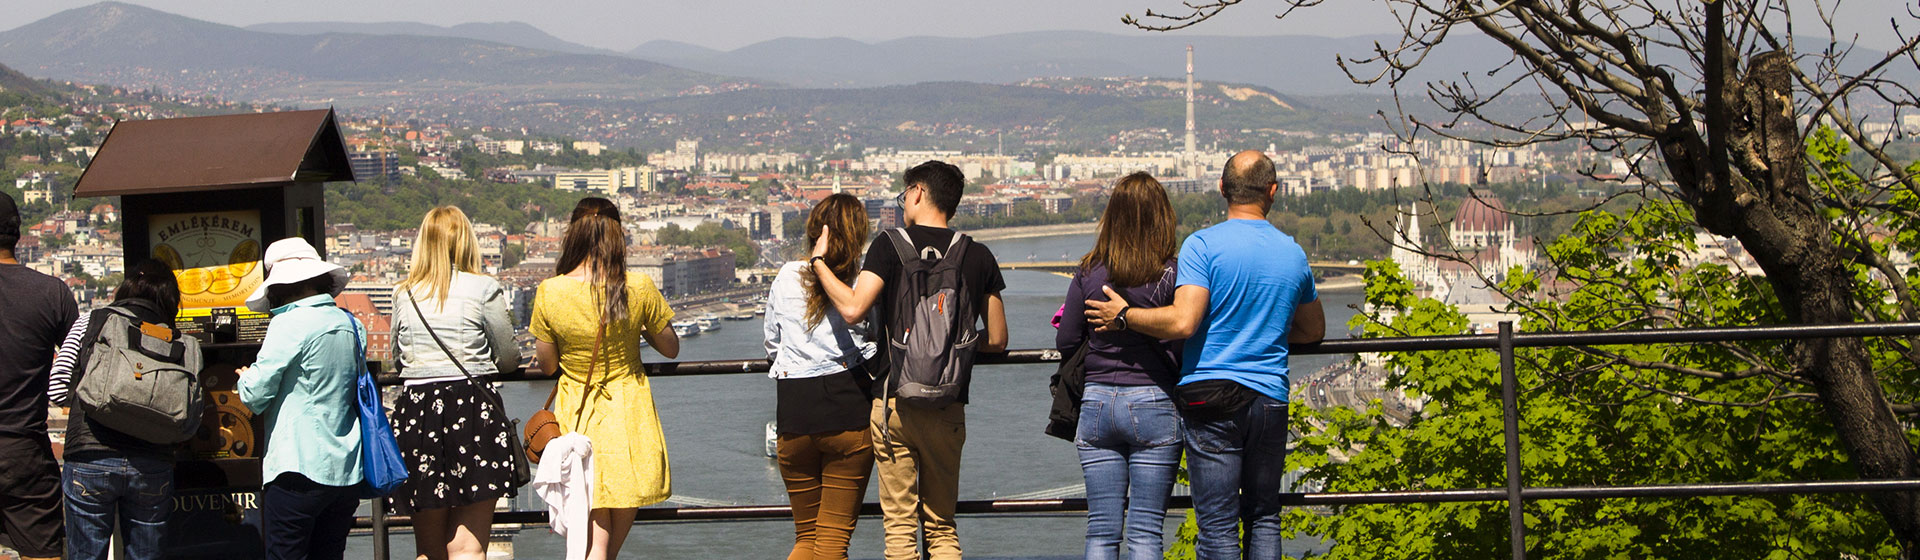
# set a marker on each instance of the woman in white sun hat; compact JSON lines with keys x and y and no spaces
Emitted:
{"x":303,"y":383}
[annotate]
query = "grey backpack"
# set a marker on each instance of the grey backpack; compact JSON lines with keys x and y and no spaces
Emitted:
{"x":140,"y":384}
{"x":931,"y":333}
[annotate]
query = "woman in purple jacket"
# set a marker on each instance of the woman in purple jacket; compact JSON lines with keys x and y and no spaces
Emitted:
{"x":1129,"y":433}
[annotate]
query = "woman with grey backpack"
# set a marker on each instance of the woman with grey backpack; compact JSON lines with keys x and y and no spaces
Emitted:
{"x":451,"y":331}
{"x":111,"y":476}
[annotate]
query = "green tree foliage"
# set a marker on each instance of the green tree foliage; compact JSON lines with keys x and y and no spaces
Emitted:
{"x":709,"y":234}
{"x":1608,"y":415}
{"x":400,"y":206}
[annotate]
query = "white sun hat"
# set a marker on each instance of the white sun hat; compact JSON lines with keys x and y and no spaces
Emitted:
{"x":290,"y":261}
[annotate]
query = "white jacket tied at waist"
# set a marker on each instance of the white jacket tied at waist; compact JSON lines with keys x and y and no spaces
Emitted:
{"x":565,"y":483}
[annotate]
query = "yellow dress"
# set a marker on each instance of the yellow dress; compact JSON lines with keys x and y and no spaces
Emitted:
{"x":629,"y":449}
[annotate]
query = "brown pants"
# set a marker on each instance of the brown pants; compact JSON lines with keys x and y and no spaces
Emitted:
{"x":919,"y":463}
{"x":826,"y":476}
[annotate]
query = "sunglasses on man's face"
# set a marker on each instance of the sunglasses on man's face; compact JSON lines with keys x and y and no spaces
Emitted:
{"x":901,"y":198}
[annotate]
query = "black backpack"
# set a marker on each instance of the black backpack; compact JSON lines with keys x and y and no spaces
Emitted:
{"x":931,"y":333}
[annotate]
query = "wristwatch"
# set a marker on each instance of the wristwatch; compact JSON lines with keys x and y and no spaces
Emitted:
{"x":1120,"y":321}
{"x":816,"y":258}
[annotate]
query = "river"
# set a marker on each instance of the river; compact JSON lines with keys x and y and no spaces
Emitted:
{"x":715,"y":439}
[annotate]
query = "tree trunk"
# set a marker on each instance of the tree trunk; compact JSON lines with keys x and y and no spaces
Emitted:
{"x":1770,"y":207}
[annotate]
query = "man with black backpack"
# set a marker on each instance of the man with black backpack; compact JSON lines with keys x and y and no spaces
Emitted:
{"x":937,"y":284}
{"x":1245,"y":295}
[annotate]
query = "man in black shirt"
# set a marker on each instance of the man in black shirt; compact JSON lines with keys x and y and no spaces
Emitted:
{"x":35,"y":312}
{"x":917,"y":450}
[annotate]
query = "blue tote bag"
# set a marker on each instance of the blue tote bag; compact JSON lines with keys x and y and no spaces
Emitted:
{"x":379,"y":451}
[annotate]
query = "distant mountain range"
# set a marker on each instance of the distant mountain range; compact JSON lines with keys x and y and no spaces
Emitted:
{"x":1092,"y":88}
{"x":506,"y":33}
{"x":1098,"y":106}
{"x":1295,"y":64}
{"x":118,"y":43}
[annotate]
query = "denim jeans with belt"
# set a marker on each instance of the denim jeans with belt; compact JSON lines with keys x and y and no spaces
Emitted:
{"x":135,"y":491}
{"x":1129,"y":441}
{"x":1235,"y":465}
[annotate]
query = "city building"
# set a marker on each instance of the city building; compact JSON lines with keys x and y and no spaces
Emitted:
{"x":378,"y":324}
{"x":606,"y":181}
{"x":378,"y":294}
{"x":885,"y":213}
{"x":684,"y":157}
{"x":375,"y":165}
{"x":680,"y":272}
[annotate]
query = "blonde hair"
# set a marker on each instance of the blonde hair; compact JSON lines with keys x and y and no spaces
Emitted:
{"x":446,"y":245}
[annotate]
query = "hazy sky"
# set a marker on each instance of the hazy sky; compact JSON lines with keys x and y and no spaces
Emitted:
{"x":622,"y":24}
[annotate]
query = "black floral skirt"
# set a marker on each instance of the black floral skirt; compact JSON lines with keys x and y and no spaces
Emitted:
{"x":455,"y":444}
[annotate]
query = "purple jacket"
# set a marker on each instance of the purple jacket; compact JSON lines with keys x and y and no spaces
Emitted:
{"x":1120,"y":358}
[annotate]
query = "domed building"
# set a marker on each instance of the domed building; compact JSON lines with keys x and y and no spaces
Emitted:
{"x":1481,"y":234}
{"x":1479,"y":224}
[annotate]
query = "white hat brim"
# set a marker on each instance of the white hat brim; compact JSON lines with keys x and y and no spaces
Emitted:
{"x":293,"y":271}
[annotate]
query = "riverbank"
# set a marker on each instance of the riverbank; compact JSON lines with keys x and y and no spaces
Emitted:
{"x":1024,"y":232}
{"x":1348,"y":283}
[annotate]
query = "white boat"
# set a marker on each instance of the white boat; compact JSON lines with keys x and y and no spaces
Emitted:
{"x":773,"y":439}
{"x":686,"y":328}
{"x":708,"y":322}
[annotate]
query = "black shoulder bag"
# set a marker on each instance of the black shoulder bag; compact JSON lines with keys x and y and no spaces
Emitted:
{"x":522,"y":472}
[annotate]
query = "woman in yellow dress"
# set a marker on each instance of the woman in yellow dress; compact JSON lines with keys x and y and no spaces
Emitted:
{"x":589,"y":322}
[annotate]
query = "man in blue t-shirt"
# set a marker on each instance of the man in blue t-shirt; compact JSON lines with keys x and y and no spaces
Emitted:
{"x":1245,"y":295}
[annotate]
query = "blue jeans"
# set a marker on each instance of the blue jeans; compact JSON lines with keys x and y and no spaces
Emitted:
{"x":136,"y":492}
{"x":1129,"y":440}
{"x":1235,"y":466}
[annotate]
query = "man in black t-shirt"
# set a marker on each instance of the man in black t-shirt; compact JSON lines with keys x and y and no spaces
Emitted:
{"x":35,"y":312}
{"x":917,"y":450}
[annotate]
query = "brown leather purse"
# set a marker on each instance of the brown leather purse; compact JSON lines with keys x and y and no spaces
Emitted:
{"x":544,"y":426}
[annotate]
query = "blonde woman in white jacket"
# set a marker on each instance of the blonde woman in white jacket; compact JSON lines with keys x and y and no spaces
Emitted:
{"x":451,"y":332}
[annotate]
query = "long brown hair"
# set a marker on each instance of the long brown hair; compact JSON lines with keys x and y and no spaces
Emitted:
{"x":1136,"y":232}
{"x":846,"y":217}
{"x":446,"y":245}
{"x":599,"y":243}
{"x":594,"y":205}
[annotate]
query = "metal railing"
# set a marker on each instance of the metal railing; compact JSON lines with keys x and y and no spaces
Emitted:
{"x":1514,"y":493}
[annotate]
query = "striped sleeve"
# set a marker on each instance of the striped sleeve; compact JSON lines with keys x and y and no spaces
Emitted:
{"x":60,"y":379}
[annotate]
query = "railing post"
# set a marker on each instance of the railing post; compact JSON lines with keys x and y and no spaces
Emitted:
{"x":1510,"y":409}
{"x":380,"y":534}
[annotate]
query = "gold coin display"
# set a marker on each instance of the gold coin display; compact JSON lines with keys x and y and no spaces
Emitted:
{"x":223,"y":280}
{"x":244,"y":257}
{"x":194,"y":280}
{"x":166,"y":254}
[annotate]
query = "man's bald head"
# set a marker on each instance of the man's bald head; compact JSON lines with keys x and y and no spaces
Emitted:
{"x":1248,"y":179}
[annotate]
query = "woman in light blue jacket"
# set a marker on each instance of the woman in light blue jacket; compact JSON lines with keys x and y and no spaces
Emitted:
{"x":303,"y":384}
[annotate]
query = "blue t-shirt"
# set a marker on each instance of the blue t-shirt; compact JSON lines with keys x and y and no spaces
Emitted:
{"x":1255,"y":278}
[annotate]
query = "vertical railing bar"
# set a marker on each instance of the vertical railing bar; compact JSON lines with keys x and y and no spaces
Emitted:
{"x":380,"y":532}
{"x":1510,"y":408}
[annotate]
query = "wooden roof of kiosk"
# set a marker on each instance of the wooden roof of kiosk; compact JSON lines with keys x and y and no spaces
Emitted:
{"x":248,"y":150}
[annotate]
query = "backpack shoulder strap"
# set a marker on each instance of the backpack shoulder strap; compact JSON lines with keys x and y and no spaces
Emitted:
{"x":957,"y":249}
{"x":903,"y":246}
